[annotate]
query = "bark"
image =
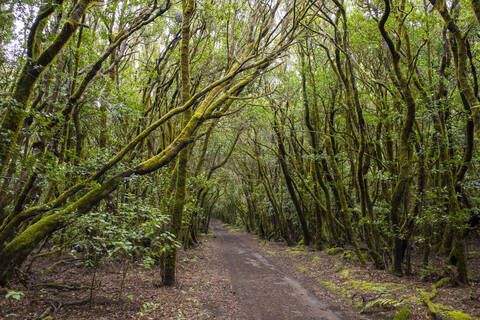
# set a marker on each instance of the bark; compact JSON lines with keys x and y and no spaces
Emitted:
{"x":321,"y":213}
{"x":471,"y":105}
{"x":56,"y":214}
{"x":402,"y":186}
{"x":362,"y":164}
{"x":182,"y":162}
{"x":343,"y":200}
{"x":289,"y":182}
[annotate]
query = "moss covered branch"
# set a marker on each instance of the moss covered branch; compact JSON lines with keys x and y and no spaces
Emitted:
{"x":13,"y":120}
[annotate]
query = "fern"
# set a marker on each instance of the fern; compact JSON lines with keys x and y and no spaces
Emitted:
{"x":381,"y":303}
{"x":402,"y":314}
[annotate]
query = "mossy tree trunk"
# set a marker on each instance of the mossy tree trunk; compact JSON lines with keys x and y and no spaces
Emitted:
{"x":405,"y":152}
{"x":472,"y":107}
{"x":343,"y":201}
{"x":312,"y":126}
{"x":188,"y":7}
{"x":347,"y":76}
{"x":289,"y":182}
{"x":17,"y":243}
{"x":278,"y":218}
{"x":16,"y":251}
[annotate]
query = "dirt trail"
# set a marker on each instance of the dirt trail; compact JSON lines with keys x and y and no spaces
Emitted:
{"x":264,"y":290}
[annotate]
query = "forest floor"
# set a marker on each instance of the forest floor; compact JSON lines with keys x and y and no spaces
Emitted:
{"x":345,"y":287}
{"x":233,"y":275}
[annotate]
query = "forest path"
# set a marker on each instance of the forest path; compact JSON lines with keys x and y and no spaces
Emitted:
{"x":264,"y":290}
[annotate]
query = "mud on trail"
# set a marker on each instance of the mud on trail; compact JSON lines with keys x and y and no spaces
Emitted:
{"x":263,"y":288}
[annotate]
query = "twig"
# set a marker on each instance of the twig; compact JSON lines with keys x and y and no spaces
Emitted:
{"x":55,"y":305}
{"x":63,"y":286}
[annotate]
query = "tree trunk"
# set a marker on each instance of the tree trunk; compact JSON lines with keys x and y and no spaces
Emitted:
{"x":182,"y":162}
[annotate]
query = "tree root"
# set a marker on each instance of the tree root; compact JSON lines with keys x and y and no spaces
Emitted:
{"x":55,"y":305}
{"x":428,"y":296}
{"x":42,"y":255}
{"x":50,"y":268}
{"x":439,"y":311}
{"x":63,"y":286}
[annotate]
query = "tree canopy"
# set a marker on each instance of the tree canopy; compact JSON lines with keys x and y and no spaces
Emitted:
{"x":127,"y":125}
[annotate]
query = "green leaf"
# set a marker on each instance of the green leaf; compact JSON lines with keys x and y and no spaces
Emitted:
{"x":17,"y":295}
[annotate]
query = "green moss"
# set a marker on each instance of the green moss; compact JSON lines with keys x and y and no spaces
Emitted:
{"x":315,"y":259}
{"x":334,"y":251}
{"x":436,"y":309}
{"x":208,"y":235}
{"x":347,"y":255}
{"x":331,"y":286}
{"x":345,"y":273}
{"x":372,"y":286}
{"x":456,"y":315}
{"x":412,"y":299}
{"x":303,"y":269}
{"x":295,"y":251}
{"x":364,"y":256}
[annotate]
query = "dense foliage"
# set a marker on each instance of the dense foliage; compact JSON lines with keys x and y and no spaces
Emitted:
{"x":126,"y":125}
